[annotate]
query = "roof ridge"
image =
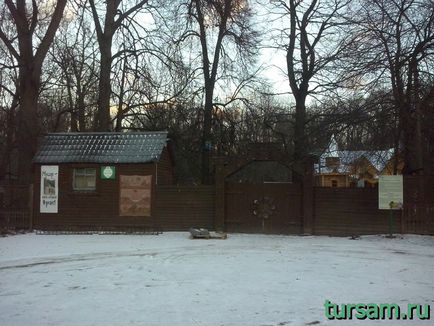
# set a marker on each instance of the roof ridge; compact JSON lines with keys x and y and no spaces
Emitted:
{"x":106,"y":132}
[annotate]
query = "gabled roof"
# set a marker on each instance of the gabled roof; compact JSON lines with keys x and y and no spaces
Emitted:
{"x":102,"y":147}
{"x":378,"y":158}
{"x":260,"y":171}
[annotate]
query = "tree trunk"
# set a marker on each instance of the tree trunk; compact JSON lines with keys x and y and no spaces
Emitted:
{"x":300,"y":143}
{"x":28,"y":128}
{"x":206,"y":135}
{"x":9,"y":135}
{"x":120,"y":113}
{"x":103,"y":114}
{"x":30,"y":61}
{"x":80,"y":110}
{"x":300,"y":130}
{"x":72,"y":107}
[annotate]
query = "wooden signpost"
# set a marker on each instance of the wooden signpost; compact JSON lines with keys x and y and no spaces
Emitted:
{"x":390,"y":195}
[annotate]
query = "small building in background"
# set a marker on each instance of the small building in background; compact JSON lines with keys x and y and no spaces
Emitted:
{"x":99,"y":181}
{"x":263,"y":162}
{"x":344,"y":168}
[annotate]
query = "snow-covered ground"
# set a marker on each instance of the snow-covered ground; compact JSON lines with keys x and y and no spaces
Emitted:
{"x":171,"y":280}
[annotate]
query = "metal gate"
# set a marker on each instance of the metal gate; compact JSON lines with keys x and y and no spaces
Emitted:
{"x":271,"y":208}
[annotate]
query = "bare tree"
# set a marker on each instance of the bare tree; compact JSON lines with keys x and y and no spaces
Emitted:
{"x":8,"y":106}
{"x":29,"y":56}
{"x":314,"y":40}
{"x":114,"y":17}
{"x":74,"y":52}
{"x":147,"y":71}
{"x":395,"y":45}
{"x":224,"y":30}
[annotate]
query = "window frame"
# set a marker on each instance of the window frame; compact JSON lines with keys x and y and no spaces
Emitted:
{"x":86,"y":174}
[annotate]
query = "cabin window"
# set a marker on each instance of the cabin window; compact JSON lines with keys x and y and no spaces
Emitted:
{"x":84,"y":179}
{"x":334,"y":183}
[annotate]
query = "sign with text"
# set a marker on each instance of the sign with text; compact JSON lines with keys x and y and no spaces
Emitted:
{"x":390,"y":192}
{"x":49,"y":189}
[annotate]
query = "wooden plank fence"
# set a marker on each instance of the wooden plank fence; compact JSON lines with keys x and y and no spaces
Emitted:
{"x":182,"y":207}
{"x":15,"y":206}
{"x":418,"y":205}
{"x":337,"y":211}
{"x":15,"y":219}
{"x":351,"y":211}
{"x":347,"y":211}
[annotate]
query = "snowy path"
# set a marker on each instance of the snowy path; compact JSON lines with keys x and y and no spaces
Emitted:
{"x":171,"y":280}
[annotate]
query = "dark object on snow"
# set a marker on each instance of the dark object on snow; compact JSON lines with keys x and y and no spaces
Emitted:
{"x":5,"y":232}
{"x":205,"y":234}
{"x":199,"y":233}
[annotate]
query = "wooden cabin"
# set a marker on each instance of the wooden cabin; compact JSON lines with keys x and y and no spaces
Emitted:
{"x":345,"y":168}
{"x":100,"y":181}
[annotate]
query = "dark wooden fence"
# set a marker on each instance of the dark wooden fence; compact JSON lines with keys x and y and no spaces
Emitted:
{"x":273,"y":208}
{"x":15,"y":219}
{"x":15,"y":206}
{"x":347,"y":211}
{"x":351,"y":211}
{"x":418,"y":205}
{"x":179,"y":208}
{"x":337,"y":211}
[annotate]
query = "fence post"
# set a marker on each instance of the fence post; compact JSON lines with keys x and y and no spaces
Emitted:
{"x":404,"y":207}
{"x":219,"y":223}
{"x":31,"y":207}
{"x":308,"y":197}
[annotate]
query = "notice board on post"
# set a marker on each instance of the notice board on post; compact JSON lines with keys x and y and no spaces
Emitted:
{"x":390,"y":192}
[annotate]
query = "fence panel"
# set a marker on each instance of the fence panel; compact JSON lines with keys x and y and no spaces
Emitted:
{"x":273,"y":208}
{"x":351,"y":211}
{"x":418,"y":204}
{"x":179,"y":208}
{"x":15,"y":206}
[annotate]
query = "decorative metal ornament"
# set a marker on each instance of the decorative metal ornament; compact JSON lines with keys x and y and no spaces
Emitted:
{"x":264,"y":207}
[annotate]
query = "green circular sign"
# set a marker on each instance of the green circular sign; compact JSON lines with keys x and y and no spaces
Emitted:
{"x":108,"y":172}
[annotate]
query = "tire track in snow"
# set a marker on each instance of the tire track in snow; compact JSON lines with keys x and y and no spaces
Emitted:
{"x":173,"y":254}
{"x":75,"y":258}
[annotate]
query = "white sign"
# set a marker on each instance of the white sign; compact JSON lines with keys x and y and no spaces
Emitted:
{"x":49,"y":189}
{"x":390,"y":192}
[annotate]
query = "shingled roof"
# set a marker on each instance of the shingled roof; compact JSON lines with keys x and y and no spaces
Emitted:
{"x":102,"y":147}
{"x":378,"y":158}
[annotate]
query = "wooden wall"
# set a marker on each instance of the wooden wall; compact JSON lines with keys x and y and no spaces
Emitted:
{"x":325,"y":180}
{"x":351,"y":211}
{"x":174,"y":208}
{"x":97,"y":209}
{"x":165,"y":168}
